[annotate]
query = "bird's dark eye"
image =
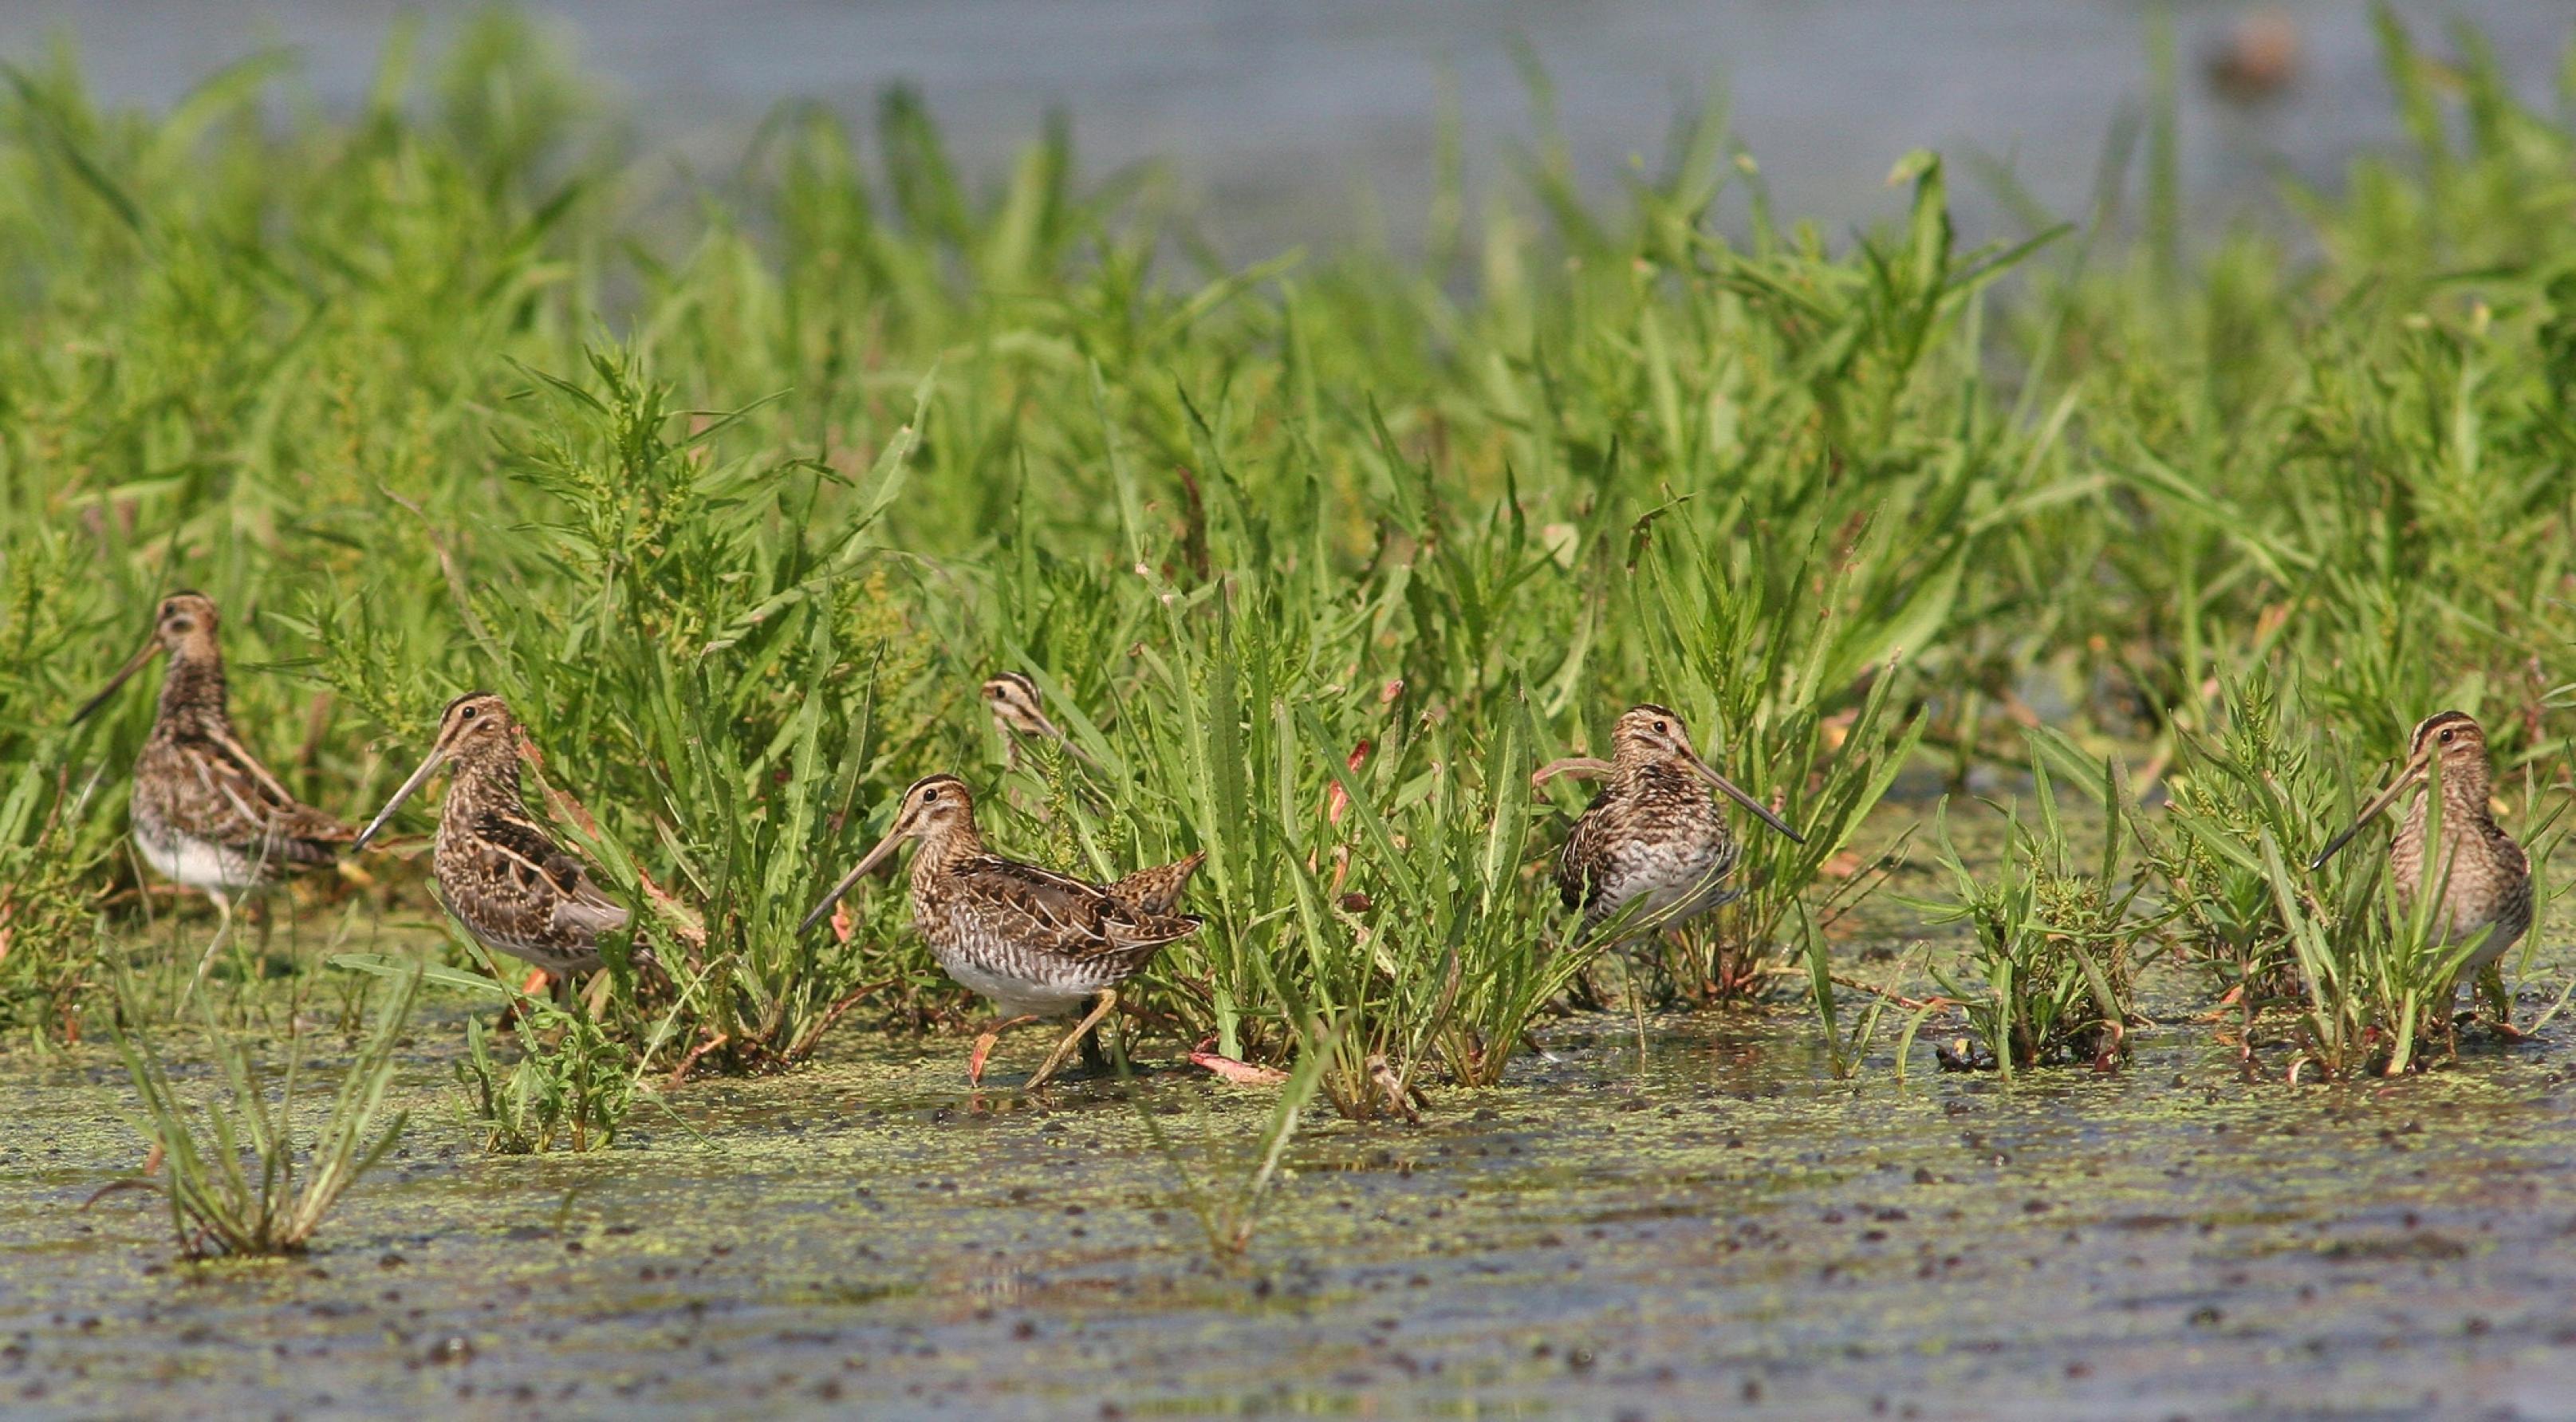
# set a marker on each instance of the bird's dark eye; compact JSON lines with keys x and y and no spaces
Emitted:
{"x":1659,"y":726}
{"x":465,"y":715}
{"x":929,"y":795}
{"x":2447,"y":736}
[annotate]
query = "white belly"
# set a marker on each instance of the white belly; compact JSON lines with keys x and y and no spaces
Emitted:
{"x":1671,"y":884}
{"x":1687,"y":898}
{"x":195,"y":863}
{"x":1012,"y":996}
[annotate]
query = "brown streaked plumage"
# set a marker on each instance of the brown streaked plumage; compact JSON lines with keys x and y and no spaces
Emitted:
{"x":205,"y":812}
{"x":2481,"y":874}
{"x":500,"y":873}
{"x":1037,"y":943}
{"x":1653,"y":837}
{"x":1157,"y":890}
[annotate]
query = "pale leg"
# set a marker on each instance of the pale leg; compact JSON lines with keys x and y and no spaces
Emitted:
{"x":984,"y":1047}
{"x":2491,"y":990}
{"x":223,"y":930}
{"x":1100,"y":1008}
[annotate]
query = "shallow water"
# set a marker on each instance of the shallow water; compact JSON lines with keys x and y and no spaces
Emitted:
{"x":1709,"y":1222}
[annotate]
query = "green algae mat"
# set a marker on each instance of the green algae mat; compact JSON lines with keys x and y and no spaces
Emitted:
{"x":1671,"y":1218}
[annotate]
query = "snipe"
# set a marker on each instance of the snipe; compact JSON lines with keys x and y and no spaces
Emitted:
{"x":205,"y":812}
{"x":1037,"y":943}
{"x":2482,"y":876}
{"x":1653,"y":838}
{"x":500,"y":873}
{"x":1019,"y":715}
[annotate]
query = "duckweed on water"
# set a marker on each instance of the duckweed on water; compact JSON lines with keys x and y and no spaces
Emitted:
{"x":236,"y":1193}
{"x":740,"y":499}
{"x":1605,"y":1231}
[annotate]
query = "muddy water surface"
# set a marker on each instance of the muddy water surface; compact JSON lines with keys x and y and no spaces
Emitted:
{"x":1708,"y":1224}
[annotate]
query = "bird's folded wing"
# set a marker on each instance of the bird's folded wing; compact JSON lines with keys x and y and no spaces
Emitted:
{"x":589,"y":911}
{"x":577,"y":901}
{"x":227,"y":796}
{"x":1039,"y":908}
{"x":1057,"y":913}
{"x":1157,"y":890}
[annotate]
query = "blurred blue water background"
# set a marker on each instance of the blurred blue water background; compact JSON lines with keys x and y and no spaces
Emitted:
{"x":1310,"y":121}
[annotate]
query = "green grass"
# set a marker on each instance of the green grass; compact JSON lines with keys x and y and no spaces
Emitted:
{"x":2054,"y":952}
{"x":234,"y":1190}
{"x":738,"y":492}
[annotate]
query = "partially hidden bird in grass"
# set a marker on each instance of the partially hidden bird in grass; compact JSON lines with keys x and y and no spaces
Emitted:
{"x":1019,"y":714}
{"x":1016,"y":713}
{"x":500,"y":873}
{"x":205,"y":812}
{"x":2481,"y":876}
{"x":1038,"y":944}
{"x":1653,"y":843}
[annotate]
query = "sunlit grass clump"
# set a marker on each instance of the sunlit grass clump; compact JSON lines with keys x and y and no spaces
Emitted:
{"x":738,"y":496}
{"x":236,"y":1183}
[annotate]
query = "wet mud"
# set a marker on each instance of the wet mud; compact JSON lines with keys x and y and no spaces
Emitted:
{"x":1696,"y":1221}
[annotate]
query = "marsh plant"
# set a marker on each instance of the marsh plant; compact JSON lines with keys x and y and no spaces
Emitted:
{"x":53,"y":837}
{"x":2053,"y":955}
{"x":1848,"y":1042}
{"x":2378,"y":977}
{"x":2255,"y":781}
{"x":48,"y":937}
{"x":670,"y":621}
{"x":2349,"y":976}
{"x":1797,"y":658}
{"x":571,"y":1086}
{"x":2374,"y":983}
{"x":232,"y":1174}
{"x":738,"y":495}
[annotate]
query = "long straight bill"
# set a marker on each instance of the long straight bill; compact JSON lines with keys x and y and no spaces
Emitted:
{"x":1055,"y":733}
{"x":2369,"y":812}
{"x":884,"y":847}
{"x":123,"y":675}
{"x":409,"y":788}
{"x":1747,"y":801}
{"x":1075,"y":750}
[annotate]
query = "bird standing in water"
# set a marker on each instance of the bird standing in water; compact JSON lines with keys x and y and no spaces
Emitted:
{"x":499,"y":872}
{"x":205,"y":812}
{"x":1653,"y":838}
{"x":2481,"y":875}
{"x":1037,"y":943}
